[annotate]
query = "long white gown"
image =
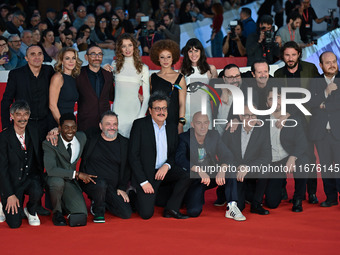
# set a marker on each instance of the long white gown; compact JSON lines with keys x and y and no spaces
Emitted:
{"x":194,"y":98}
{"x":126,"y":103}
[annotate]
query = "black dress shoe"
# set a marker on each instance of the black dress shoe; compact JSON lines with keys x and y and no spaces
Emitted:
{"x":58,"y":219}
{"x":312,"y":199}
{"x":220,"y":202}
{"x":328,"y":203}
{"x":259,"y":210}
{"x":297,"y":205}
{"x":42,"y":211}
{"x":174,"y":214}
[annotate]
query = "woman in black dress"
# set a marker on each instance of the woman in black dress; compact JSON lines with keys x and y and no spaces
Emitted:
{"x":166,"y":53}
{"x":63,"y":90}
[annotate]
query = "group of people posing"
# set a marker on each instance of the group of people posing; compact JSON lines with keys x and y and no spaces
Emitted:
{"x":142,"y":151}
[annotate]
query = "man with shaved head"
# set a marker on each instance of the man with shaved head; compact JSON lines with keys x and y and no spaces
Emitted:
{"x":198,"y":149}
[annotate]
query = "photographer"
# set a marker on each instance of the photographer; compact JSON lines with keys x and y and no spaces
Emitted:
{"x":262,"y":44}
{"x":148,"y":36}
{"x":234,"y":43}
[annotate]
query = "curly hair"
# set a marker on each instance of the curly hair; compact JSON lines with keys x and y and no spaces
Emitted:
{"x":162,"y":45}
{"x":58,"y":67}
{"x":202,"y":64}
{"x":119,"y":53}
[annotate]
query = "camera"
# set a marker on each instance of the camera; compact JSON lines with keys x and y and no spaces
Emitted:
{"x":232,"y":26}
{"x":144,"y":30}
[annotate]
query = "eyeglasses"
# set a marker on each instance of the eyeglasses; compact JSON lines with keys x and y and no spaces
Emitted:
{"x":17,"y":41}
{"x":158,"y":109}
{"x":82,"y":10}
{"x":115,"y":19}
{"x":102,"y":21}
{"x":247,"y":116}
{"x":68,"y":38}
{"x":233,"y":77}
{"x":2,"y":45}
{"x":93,"y":55}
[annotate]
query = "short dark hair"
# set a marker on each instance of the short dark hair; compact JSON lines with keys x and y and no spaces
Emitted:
{"x":168,"y":14}
{"x":291,"y":44}
{"x":19,"y":105}
{"x":158,"y":96}
{"x":227,"y":67}
{"x":269,"y":89}
{"x":267,"y":19}
{"x":294,"y":16}
{"x":246,"y":10}
{"x":67,"y":116}
{"x":108,"y":113}
{"x":258,"y":61}
{"x":34,"y":45}
{"x":320,"y":58}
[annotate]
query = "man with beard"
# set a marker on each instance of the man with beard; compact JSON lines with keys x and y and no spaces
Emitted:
{"x":105,"y":156}
{"x":291,"y":31}
{"x":325,"y":124}
{"x":298,"y":73}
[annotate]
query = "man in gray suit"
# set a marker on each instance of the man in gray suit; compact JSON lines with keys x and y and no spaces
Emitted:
{"x":60,"y":162}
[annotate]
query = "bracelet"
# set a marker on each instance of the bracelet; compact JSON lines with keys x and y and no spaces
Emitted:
{"x":182,"y":120}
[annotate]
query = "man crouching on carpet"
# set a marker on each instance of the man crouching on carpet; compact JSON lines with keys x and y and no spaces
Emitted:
{"x":152,"y":147}
{"x":60,"y":163}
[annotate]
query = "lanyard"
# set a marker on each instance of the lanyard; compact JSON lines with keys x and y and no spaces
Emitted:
{"x":147,"y":40}
{"x":290,"y":33}
{"x":305,"y":17}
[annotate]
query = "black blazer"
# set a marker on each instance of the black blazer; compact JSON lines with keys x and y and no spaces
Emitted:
{"x":90,"y":107}
{"x":18,"y":87}
{"x":142,"y":149}
{"x":13,"y":173}
{"x":320,"y":117}
{"x":187,"y":151}
{"x":258,"y":150}
{"x":124,"y":172}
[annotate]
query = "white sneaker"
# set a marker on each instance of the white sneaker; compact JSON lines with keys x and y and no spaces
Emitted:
{"x":234,"y":212}
{"x":2,"y":215}
{"x":32,"y":220}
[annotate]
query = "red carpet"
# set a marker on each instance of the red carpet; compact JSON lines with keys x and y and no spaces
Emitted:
{"x":314,"y":231}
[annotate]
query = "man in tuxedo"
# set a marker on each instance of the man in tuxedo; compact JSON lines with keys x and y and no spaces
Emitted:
{"x":60,"y":162}
{"x":198,"y":149}
{"x":298,"y":73}
{"x":250,"y":145}
{"x":152,"y":149}
{"x":289,"y":152}
{"x":95,"y":87}
{"x":325,"y":124}
{"x":21,"y":167}
{"x":105,"y":155}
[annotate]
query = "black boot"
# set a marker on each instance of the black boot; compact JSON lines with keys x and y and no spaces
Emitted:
{"x":297,"y":205}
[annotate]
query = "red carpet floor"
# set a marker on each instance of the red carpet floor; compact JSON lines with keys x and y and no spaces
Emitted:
{"x":314,"y":231}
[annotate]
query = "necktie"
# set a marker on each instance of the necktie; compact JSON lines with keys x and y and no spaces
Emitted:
{"x":69,"y":150}
{"x":22,"y":141}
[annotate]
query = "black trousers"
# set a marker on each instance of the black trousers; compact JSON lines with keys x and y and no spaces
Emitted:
{"x":33,"y":188}
{"x":257,"y":196}
{"x":329,"y":153}
{"x":104,"y":196}
{"x":146,"y":202}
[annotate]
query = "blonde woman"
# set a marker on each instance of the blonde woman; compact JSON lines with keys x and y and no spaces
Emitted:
{"x":63,"y":91}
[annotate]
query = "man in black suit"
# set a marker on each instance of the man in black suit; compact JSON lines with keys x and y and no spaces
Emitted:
{"x":250,"y":145}
{"x":325,"y":124}
{"x":20,"y":167}
{"x":95,"y":87}
{"x":60,"y":162}
{"x":105,"y":155}
{"x":289,"y":152}
{"x":152,"y":149}
{"x":30,"y":83}
{"x":200,"y":148}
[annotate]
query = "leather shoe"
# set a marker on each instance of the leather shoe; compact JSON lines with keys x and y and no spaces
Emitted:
{"x":259,"y":210}
{"x":312,"y":199}
{"x":297,"y":205}
{"x":42,"y":211}
{"x":328,"y":203}
{"x":58,"y":219}
{"x":174,"y":214}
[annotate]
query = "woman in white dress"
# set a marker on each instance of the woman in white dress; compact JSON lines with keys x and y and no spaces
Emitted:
{"x":197,"y":72}
{"x":130,"y":74}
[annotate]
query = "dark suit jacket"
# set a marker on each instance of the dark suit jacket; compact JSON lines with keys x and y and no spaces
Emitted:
{"x":57,"y":159}
{"x":13,"y":173}
{"x":124,"y":171}
{"x":258,"y":150}
{"x":90,"y":107}
{"x":187,"y":151}
{"x":18,"y":87}
{"x":320,"y":117}
{"x":142,"y":149}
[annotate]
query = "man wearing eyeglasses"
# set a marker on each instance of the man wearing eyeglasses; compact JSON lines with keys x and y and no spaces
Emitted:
{"x":152,"y":148}
{"x":15,"y":26}
{"x":81,"y":15}
{"x":18,"y":59}
{"x":95,"y":88}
